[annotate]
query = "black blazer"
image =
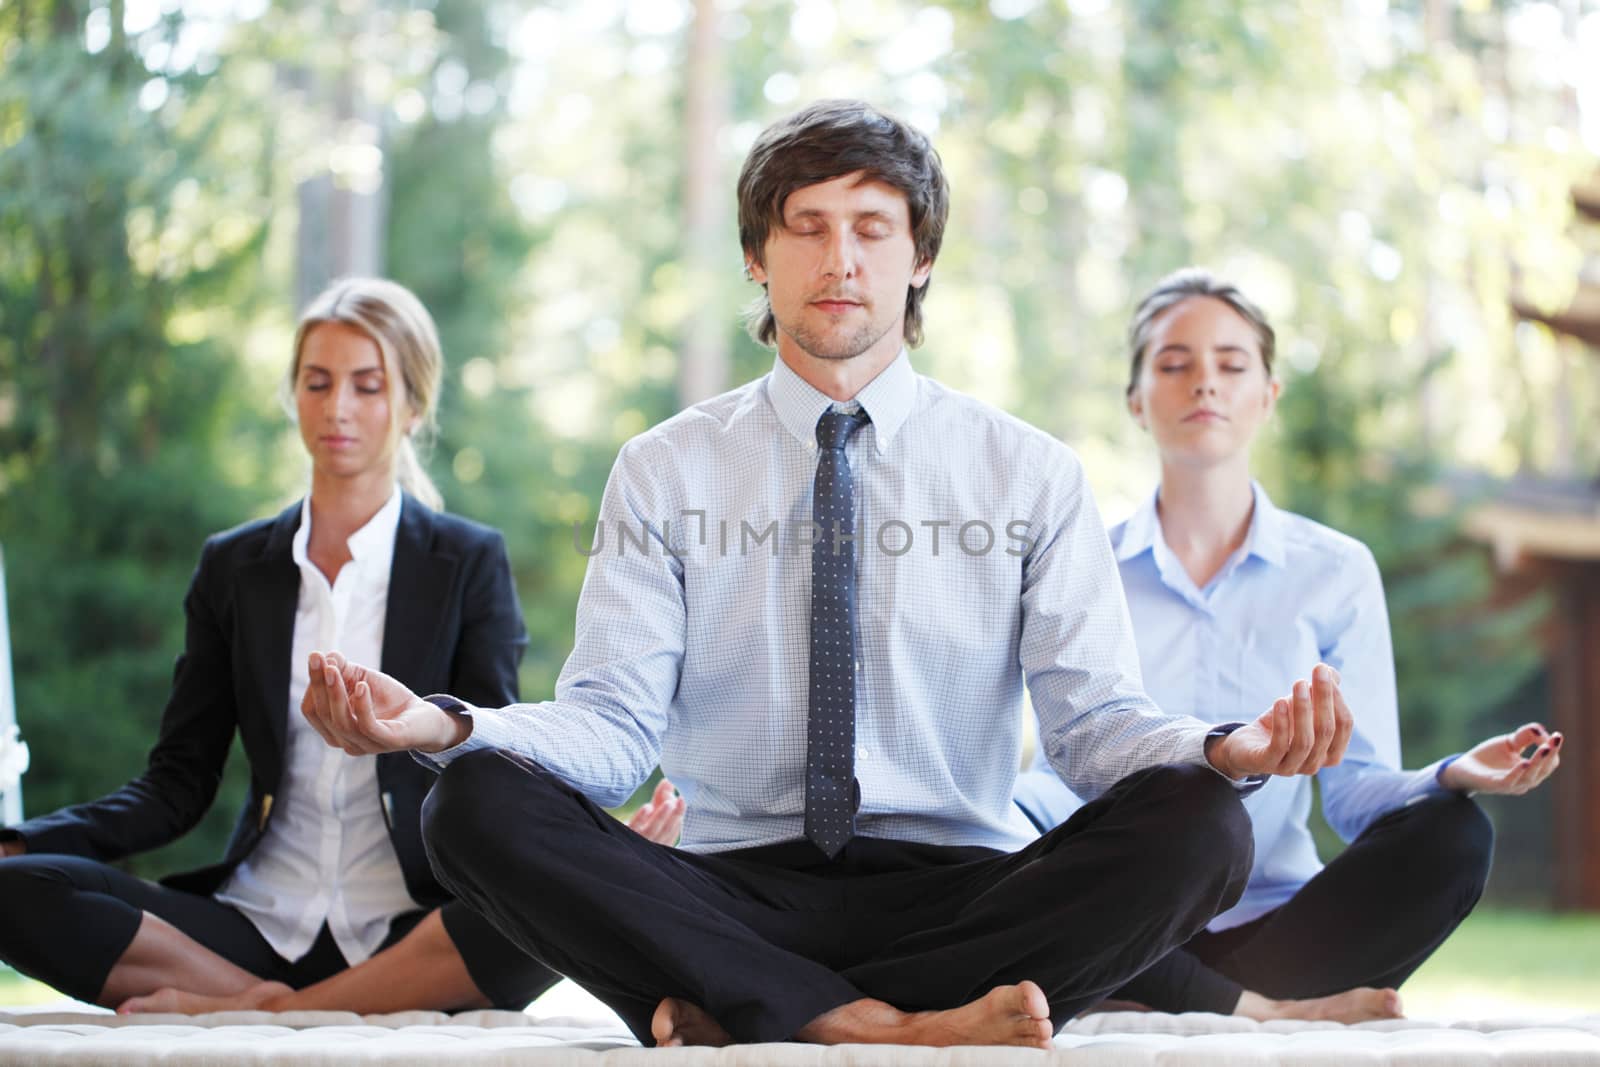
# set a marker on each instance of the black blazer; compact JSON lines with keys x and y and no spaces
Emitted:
{"x":453,"y":625}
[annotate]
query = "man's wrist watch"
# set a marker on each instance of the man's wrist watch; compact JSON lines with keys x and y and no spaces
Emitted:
{"x":446,"y":702}
{"x":1217,"y":733}
{"x":456,"y":709}
{"x":1250,"y":782}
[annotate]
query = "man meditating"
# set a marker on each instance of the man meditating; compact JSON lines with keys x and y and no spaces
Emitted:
{"x":815,"y":600}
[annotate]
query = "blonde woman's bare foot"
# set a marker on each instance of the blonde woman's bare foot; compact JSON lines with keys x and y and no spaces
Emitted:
{"x":1009,"y":1015}
{"x":678,"y":1022}
{"x":1360,"y":1005}
{"x":178,"y":1001}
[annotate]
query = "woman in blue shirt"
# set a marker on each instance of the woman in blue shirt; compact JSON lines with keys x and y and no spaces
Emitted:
{"x":1231,"y":599}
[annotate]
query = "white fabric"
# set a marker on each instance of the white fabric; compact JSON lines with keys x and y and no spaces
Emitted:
{"x":13,"y":751}
{"x":981,"y":563}
{"x":326,"y":855}
{"x":422,"y":1039}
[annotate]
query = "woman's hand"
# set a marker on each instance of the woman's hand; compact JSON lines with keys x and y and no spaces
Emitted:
{"x":364,"y":711}
{"x":1497,"y":765}
{"x":661,"y":818}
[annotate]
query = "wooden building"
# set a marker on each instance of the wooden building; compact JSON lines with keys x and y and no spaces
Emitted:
{"x":1545,"y":533}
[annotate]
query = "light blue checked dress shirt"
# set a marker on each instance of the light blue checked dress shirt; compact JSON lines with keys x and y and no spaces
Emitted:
{"x":1295,"y":592}
{"x":691,"y":645}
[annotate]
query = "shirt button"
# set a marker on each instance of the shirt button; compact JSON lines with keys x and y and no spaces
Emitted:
{"x":862,"y":753}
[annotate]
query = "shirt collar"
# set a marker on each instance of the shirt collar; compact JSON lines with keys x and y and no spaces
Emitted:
{"x":1139,"y":532}
{"x":887,"y":400}
{"x":370,"y":541}
{"x":1263,"y":540}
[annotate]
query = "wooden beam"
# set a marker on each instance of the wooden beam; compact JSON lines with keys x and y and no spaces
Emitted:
{"x":1580,"y":318}
{"x":1586,"y":198}
{"x":1520,"y":533}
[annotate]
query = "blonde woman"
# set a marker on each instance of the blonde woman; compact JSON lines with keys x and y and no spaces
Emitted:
{"x":325,"y":898}
{"x":1231,"y":598}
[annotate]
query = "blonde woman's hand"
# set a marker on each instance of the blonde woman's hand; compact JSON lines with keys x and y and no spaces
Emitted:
{"x":661,"y":818}
{"x":364,"y":711}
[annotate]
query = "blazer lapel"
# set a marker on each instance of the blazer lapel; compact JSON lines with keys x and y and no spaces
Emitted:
{"x":419,"y":587}
{"x":268,"y":594}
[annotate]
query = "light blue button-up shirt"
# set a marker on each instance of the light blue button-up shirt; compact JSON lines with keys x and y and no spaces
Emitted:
{"x":1294,"y":593}
{"x":981,"y":562}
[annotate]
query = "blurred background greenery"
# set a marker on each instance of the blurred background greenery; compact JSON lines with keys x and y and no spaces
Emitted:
{"x":555,"y":181}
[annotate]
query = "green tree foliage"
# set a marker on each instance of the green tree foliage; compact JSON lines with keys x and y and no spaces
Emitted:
{"x":455,"y":237}
{"x":125,"y":251}
{"x":487,"y":266}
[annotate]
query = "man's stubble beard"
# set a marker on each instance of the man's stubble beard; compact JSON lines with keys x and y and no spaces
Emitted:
{"x":848,"y":346}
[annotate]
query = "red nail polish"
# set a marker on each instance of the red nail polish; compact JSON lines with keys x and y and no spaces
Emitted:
{"x":1556,"y":741}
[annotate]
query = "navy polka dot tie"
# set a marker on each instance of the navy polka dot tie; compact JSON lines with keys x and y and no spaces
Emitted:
{"x":831,"y":721}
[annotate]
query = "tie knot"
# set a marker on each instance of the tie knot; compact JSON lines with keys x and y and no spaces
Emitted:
{"x":835,"y":427}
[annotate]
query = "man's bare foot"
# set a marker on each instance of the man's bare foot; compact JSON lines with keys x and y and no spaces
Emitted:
{"x":678,"y":1022}
{"x":1009,"y":1015}
{"x":176,"y":1000}
{"x":1359,"y":1005}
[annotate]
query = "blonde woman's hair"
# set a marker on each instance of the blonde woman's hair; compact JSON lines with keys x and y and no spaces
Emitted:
{"x":395,"y":320}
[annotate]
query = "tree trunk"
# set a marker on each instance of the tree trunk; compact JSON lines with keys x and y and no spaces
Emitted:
{"x":703,"y":370}
{"x":341,"y":222}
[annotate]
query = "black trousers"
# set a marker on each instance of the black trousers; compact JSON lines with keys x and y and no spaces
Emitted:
{"x":65,"y":921}
{"x":1369,"y":918}
{"x":767,"y":939}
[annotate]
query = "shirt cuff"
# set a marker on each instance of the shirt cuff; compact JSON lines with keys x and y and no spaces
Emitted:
{"x":1246,"y":785}
{"x":1431,"y":780}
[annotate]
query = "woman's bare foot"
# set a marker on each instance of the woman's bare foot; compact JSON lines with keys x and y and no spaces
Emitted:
{"x":678,"y":1022}
{"x":176,"y":1000}
{"x":1010,"y":1015}
{"x":1359,"y":1005}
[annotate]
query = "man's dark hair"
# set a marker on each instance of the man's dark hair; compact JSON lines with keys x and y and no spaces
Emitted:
{"x":828,"y":140}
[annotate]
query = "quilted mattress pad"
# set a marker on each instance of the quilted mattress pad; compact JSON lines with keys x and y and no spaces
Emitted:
{"x":325,"y":1039}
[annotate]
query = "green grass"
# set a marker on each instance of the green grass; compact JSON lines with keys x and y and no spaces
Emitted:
{"x":1505,"y":962}
{"x":16,"y":990}
{"x":1499,"y":963}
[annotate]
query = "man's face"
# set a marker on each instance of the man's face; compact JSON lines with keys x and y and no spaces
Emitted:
{"x":838,"y":267}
